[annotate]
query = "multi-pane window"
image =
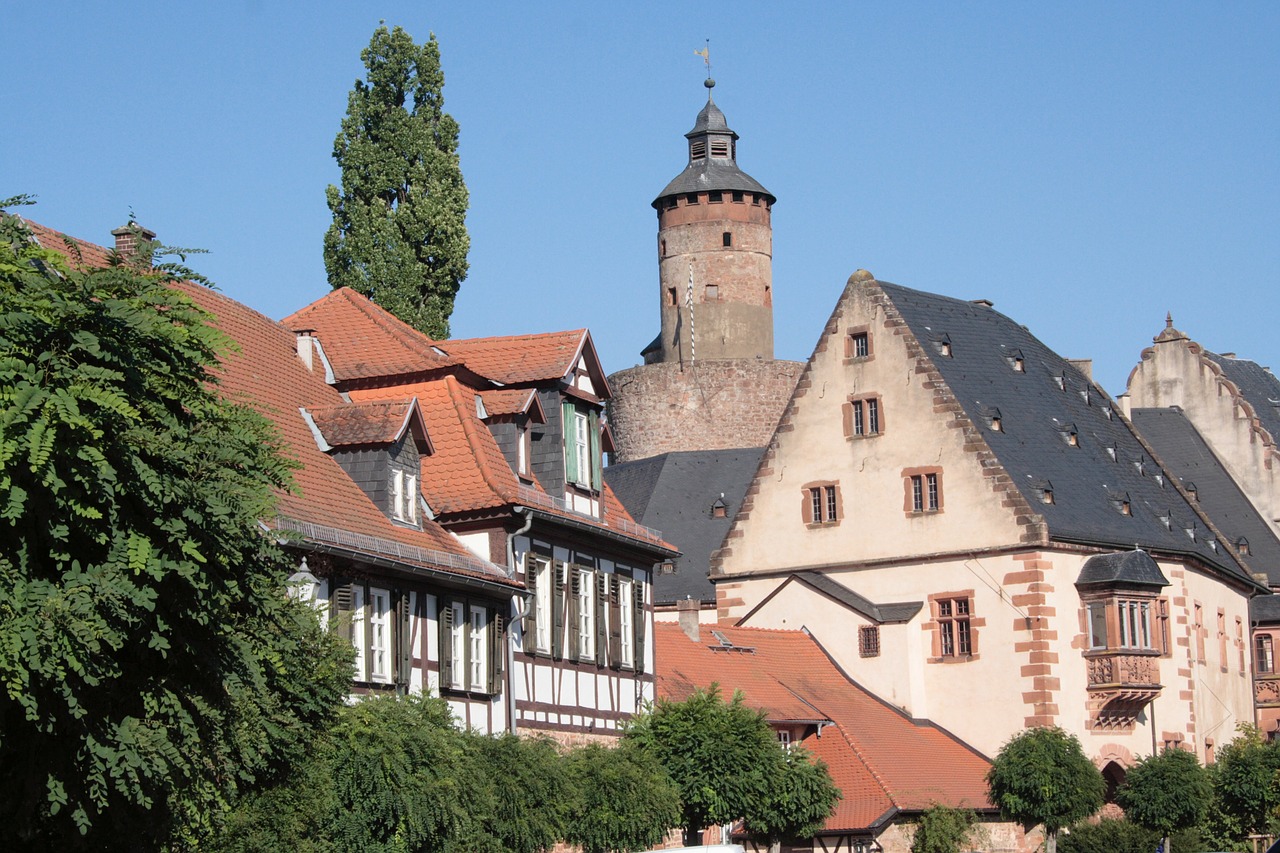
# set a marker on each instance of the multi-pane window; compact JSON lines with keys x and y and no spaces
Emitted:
{"x":931,"y":491}
{"x":542,"y":604}
{"x":379,"y":635}
{"x":404,"y":494}
{"x":586,"y":614}
{"x":859,"y":420}
{"x":924,"y":491}
{"x":859,"y":345}
{"x":1097,"y":625}
{"x":873,"y":416}
{"x":869,"y":641}
{"x":581,"y":446}
{"x":784,"y":738}
{"x":479,"y":638}
{"x":457,"y":646}
{"x":1264,"y":655}
{"x":582,"y":443}
{"x":954,"y":631}
{"x":1135,"y":624}
{"x":1140,"y":624}
{"x":823,"y":504}
{"x":626,"y":623}
{"x":862,"y":417}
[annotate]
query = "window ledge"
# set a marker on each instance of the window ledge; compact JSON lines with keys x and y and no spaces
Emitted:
{"x":954,"y":659}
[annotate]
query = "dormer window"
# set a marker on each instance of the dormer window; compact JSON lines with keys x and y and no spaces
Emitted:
{"x":698,"y":149}
{"x":1120,"y":503}
{"x":1015,"y":361}
{"x":404,"y":496}
{"x":1044,"y":489}
{"x":1069,"y":435}
{"x":942,"y":345}
{"x":581,"y":446}
{"x":1242,"y":545}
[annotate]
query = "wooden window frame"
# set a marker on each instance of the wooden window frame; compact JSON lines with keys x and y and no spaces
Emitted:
{"x":1124,"y":615}
{"x":853,"y":338}
{"x":1264,"y":654}
{"x":954,"y":627}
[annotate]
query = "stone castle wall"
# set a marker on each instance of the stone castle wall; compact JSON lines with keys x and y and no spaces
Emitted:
{"x":707,"y":405}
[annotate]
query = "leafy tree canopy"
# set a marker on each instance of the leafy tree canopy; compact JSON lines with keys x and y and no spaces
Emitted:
{"x":729,"y":765}
{"x":1043,"y":776}
{"x":528,"y":793}
{"x":1166,"y":792}
{"x":622,"y":799}
{"x":942,"y":829}
{"x":151,"y":665}
{"x":399,"y":234}
{"x":1244,"y":778}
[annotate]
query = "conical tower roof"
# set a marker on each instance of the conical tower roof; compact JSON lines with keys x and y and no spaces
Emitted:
{"x":713,"y":161}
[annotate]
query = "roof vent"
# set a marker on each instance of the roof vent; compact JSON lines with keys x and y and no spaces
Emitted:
{"x":985,"y":303}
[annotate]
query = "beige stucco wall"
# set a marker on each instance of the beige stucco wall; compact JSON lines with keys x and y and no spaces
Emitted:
{"x":1173,"y":372}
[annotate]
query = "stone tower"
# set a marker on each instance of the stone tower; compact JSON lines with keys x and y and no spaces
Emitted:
{"x":715,"y":253}
{"x":709,"y":380}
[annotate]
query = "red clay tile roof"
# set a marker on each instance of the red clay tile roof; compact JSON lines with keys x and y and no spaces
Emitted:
{"x":520,"y":359}
{"x":367,"y":423}
{"x":513,"y":401}
{"x":325,"y":504}
{"x":882,"y":760}
{"x":362,"y":340}
{"x":91,"y":255}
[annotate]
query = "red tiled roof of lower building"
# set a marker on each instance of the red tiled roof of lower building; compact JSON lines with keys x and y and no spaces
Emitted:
{"x":510,"y":401}
{"x":881,"y":759}
{"x":265,"y":372}
{"x":518,"y":359}
{"x":363,"y":341}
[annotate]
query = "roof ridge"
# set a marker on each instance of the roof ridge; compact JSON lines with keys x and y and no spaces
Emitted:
{"x":406,"y":335}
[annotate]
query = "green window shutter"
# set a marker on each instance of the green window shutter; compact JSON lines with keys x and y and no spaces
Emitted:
{"x":637,"y":622}
{"x":497,"y":650}
{"x":403,"y":640}
{"x":602,"y":625}
{"x":447,"y":662}
{"x":342,"y":607}
{"x":569,"y":427}
{"x":593,"y":430}
{"x":557,"y":610}
{"x":615,"y":624}
{"x":530,"y":633}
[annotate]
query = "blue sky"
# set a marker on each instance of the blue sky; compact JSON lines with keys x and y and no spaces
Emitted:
{"x":1086,"y":166}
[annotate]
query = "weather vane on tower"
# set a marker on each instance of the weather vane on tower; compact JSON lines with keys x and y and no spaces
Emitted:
{"x":705,"y":53}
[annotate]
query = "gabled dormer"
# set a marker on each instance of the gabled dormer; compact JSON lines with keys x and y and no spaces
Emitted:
{"x":379,"y":446}
{"x":511,"y":414}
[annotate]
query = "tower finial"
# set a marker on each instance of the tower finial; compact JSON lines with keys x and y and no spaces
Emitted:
{"x":1168,"y":320}
{"x":705,"y":53}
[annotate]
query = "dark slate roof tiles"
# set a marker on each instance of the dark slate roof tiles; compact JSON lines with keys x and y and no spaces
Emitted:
{"x":1130,"y":568}
{"x":1041,"y":407}
{"x":1257,"y":385}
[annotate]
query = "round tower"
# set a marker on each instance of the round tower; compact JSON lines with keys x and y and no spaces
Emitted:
{"x":715,"y":254}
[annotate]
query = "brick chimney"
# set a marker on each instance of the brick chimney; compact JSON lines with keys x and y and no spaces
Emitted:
{"x":688,"y":610}
{"x":127,"y":239}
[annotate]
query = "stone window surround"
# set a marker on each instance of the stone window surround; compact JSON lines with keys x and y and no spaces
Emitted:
{"x":934,"y":626}
{"x":806,"y":503}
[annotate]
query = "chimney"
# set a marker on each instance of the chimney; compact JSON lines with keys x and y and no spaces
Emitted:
{"x":127,"y":239}
{"x":306,"y":346}
{"x":1084,"y":365}
{"x":688,"y":609}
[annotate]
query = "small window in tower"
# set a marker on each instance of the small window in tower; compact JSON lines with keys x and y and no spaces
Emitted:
{"x":715,"y":197}
{"x":671,"y":296}
{"x":697,"y":149}
{"x":664,"y":248}
{"x":726,"y":239}
{"x":737,"y":197}
{"x":672,"y":201}
{"x":691,"y":198}
{"x":755,"y":198}
{"x":720,"y":148}
{"x":713,"y":292}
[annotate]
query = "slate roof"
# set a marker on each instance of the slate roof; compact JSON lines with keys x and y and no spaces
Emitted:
{"x":325,"y":506}
{"x":365,"y":423}
{"x":898,"y":611}
{"x":1258,"y":387}
{"x":373,"y":341}
{"x":1132,"y":568}
{"x":1185,"y":452}
{"x":712,"y":173}
{"x":675,"y":492}
{"x":1043,"y":410}
{"x":1265,"y":609}
{"x":882,"y":760}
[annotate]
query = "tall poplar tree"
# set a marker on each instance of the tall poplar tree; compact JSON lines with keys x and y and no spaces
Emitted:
{"x":399,"y":233}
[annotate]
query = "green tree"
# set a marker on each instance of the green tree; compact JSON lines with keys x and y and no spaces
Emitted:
{"x":622,"y":799}
{"x":800,"y":799}
{"x":727,"y":763}
{"x":1043,"y":776}
{"x":942,"y":829}
{"x":1166,"y":792}
{"x":528,"y":789}
{"x":151,"y":664}
{"x":1244,"y":777}
{"x":399,"y":234}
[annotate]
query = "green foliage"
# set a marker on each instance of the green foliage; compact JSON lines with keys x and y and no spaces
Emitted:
{"x":528,"y":793}
{"x":1043,"y":776}
{"x":728,"y":765}
{"x":942,"y":829}
{"x":1166,"y":792}
{"x":1244,"y":778}
{"x":622,"y":799}
{"x":399,"y":234}
{"x":1111,"y":835}
{"x":801,"y":797}
{"x":151,"y":665}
